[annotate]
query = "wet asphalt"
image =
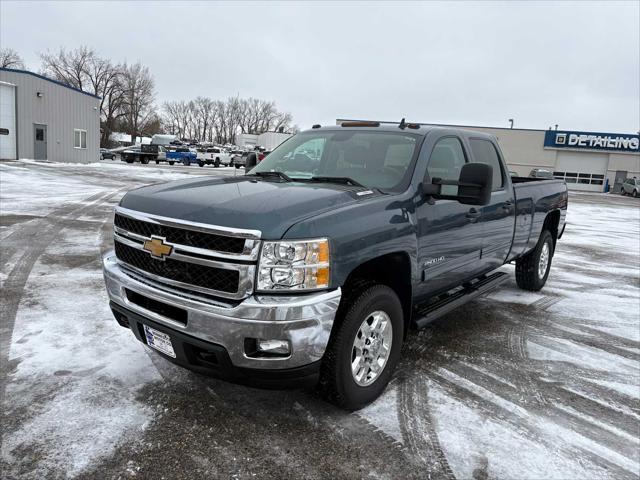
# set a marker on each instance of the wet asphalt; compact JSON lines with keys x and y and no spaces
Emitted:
{"x":476,"y":358}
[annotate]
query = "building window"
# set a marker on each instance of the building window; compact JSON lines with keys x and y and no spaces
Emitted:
{"x":79,"y":138}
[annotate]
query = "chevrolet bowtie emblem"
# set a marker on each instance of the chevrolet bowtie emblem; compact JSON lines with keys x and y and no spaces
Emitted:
{"x":157,"y":248}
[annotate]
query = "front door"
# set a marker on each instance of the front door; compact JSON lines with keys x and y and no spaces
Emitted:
{"x":498,"y":217}
{"x":449,"y":233}
{"x":40,"y":142}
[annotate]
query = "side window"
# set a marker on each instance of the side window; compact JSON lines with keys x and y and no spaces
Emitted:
{"x":485,"y":152}
{"x":446,"y":161}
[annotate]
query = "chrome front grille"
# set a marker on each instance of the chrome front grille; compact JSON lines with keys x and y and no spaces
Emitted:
{"x":203,"y":258}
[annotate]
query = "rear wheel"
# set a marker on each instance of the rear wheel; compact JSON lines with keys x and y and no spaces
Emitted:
{"x":144,"y":161}
{"x":201,"y":164}
{"x":216,"y":164}
{"x":171,"y":162}
{"x":157,"y":162}
{"x":635,"y":194}
{"x":532,"y":270}
{"x":364,"y":348}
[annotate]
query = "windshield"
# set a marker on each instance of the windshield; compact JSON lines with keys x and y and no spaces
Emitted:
{"x":382,"y":160}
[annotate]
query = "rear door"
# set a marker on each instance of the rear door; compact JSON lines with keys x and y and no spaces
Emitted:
{"x":449,"y":233}
{"x":498,"y":218}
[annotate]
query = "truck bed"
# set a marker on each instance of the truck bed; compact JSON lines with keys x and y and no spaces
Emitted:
{"x":535,"y":198}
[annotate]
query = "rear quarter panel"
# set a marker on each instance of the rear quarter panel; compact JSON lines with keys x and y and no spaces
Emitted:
{"x":534,"y":201}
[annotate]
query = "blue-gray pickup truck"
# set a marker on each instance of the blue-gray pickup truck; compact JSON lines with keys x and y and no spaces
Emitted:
{"x":312,"y":267}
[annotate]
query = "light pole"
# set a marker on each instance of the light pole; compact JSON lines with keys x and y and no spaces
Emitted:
{"x":511,"y":122}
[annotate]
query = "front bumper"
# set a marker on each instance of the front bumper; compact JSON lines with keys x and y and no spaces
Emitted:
{"x":304,"y":320}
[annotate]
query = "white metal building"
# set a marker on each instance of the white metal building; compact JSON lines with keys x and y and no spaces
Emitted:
{"x":585,"y":160}
{"x":43,"y":119}
{"x":266,"y":140}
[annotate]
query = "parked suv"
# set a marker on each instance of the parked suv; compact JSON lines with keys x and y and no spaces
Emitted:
{"x":106,"y":154}
{"x":631,"y":186}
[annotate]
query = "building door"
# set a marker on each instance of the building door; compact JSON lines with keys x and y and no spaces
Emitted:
{"x":40,"y":142}
{"x":582,"y":170}
{"x":7,"y":122}
{"x":621,"y":176}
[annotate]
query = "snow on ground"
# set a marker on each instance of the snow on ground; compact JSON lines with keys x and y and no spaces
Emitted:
{"x":514,"y":385}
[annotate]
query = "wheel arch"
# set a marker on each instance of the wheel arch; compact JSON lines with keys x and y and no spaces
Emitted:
{"x":391,"y":269}
{"x":552,"y":223}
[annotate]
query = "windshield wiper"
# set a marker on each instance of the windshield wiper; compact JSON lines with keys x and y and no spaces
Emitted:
{"x":345,"y":180}
{"x":273,"y":173}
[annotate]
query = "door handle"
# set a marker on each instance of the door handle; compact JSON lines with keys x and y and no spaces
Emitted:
{"x":507,"y":205}
{"x":473,"y":214}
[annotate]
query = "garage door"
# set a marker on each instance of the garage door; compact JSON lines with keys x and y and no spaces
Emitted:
{"x":7,"y":122}
{"x":582,"y":171}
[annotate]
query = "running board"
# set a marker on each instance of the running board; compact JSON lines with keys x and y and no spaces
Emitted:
{"x":448,"y":302}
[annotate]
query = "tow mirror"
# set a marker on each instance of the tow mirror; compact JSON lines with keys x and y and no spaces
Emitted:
{"x":252,"y":160}
{"x":474,"y":185}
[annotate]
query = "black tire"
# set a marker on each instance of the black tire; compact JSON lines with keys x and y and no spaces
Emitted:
{"x":128,"y":160}
{"x":216,"y":164}
{"x":527,"y":271}
{"x":336,"y":380}
{"x":144,"y":161}
{"x":157,"y":162}
{"x":201,"y":164}
{"x":171,"y":162}
{"x":237,"y":166}
{"x":635,"y":194}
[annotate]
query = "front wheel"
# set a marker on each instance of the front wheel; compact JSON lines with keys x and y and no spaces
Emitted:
{"x":532,"y":270}
{"x":157,"y":162}
{"x":171,"y":162}
{"x":635,"y":194}
{"x":364,"y":348}
{"x":216,"y":163}
{"x":201,"y":164}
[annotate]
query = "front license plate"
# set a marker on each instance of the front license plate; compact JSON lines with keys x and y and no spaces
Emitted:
{"x":160,"y":341}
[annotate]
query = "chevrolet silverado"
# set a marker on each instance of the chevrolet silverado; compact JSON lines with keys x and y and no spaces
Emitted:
{"x":311,"y":269}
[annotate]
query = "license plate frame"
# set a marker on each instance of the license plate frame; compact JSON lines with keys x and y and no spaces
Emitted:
{"x":159,"y":341}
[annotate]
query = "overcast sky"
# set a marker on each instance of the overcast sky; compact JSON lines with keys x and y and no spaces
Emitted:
{"x":573,"y":64}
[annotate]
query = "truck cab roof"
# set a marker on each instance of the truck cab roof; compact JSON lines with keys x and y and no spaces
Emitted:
{"x":412,"y":128}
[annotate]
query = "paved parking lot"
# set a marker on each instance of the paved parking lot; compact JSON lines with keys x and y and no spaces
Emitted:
{"x":513,"y":385}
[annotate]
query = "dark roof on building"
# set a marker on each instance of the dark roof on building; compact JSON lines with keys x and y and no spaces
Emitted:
{"x":14,"y":70}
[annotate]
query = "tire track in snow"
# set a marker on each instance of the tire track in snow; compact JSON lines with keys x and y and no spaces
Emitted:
{"x":36,"y":237}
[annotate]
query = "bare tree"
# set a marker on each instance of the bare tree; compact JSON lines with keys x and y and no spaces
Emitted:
{"x":138,"y":90}
{"x":9,"y":58}
{"x":68,"y":67}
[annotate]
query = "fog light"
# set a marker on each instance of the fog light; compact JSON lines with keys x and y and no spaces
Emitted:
{"x":280,"y":347}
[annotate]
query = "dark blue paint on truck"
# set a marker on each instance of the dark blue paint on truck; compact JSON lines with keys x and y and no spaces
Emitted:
{"x":395,"y":247}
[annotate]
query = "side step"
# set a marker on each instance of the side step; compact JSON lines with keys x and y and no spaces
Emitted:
{"x":450,"y":301}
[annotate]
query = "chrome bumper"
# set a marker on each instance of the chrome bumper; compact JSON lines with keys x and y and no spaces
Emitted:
{"x":304,"y":320}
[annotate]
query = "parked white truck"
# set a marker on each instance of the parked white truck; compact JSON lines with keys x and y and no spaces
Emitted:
{"x":213,"y":156}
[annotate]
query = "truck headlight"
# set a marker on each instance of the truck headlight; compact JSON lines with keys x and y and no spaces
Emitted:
{"x":294,"y":265}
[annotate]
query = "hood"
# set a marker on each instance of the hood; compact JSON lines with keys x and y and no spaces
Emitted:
{"x":269,"y":206}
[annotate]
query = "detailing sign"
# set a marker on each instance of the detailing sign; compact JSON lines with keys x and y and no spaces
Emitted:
{"x":613,"y":142}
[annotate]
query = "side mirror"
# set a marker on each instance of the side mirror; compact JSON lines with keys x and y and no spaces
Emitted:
{"x":476,"y":181}
{"x":252,"y":161}
{"x":474,"y":185}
